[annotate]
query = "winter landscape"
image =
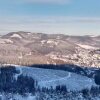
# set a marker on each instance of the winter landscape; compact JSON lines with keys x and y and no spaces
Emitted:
{"x":49,"y":49}
{"x":38,"y":66}
{"x":27,"y":48}
{"x":49,"y":82}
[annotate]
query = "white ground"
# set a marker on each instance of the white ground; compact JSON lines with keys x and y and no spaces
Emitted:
{"x":16,"y":76}
{"x":3,"y":41}
{"x":16,"y":35}
{"x":49,"y":77}
{"x":86,"y":46}
{"x":17,"y":96}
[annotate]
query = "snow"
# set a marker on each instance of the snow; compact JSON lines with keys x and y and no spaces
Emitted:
{"x":58,"y":37}
{"x":93,"y":35}
{"x":46,"y":83}
{"x":52,"y":42}
{"x":29,"y":54}
{"x":43,"y":41}
{"x":20,"y":72}
{"x":16,"y":35}
{"x":58,"y":58}
{"x":53,"y":56}
{"x":29,"y":33}
{"x":50,"y":77}
{"x":10,"y":65}
{"x":3,"y":41}
{"x":17,"y":97}
{"x":86,"y":46}
{"x":49,"y":42}
{"x":48,"y":62}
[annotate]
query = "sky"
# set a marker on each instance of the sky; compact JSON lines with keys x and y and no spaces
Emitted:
{"x":71,"y":17}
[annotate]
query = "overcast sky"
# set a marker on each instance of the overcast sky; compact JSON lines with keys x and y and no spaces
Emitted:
{"x":72,"y":17}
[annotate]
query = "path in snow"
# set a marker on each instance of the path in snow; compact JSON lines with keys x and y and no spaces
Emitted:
{"x":59,"y":79}
{"x":20,"y":72}
{"x":49,"y":77}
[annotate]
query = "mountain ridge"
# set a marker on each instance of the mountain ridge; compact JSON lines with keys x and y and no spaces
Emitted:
{"x":26,"y":48}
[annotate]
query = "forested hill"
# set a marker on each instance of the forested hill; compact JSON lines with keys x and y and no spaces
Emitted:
{"x":38,"y":82}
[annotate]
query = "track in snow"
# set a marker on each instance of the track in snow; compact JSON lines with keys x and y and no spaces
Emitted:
{"x":20,"y":72}
{"x":50,"y":77}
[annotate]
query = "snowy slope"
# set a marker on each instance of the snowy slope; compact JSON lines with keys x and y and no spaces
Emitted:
{"x":17,"y":97}
{"x":87,"y":46}
{"x":16,"y":36}
{"x":50,"y":77}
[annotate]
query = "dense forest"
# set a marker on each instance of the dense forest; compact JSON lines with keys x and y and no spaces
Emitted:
{"x":9,"y":84}
{"x":82,"y":70}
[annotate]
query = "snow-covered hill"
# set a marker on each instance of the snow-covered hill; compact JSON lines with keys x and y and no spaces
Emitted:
{"x":50,"y":77}
{"x":28,"y":83}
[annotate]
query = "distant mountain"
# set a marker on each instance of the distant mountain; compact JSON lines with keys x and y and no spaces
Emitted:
{"x":26,"y":48}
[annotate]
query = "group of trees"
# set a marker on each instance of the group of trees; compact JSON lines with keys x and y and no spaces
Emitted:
{"x":61,"y":93}
{"x":58,"y":88}
{"x":97,"y":77}
{"x":9,"y":84}
{"x":64,"y":67}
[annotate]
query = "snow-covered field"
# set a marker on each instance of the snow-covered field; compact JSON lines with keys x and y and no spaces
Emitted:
{"x":50,"y":77}
{"x":16,"y":97}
